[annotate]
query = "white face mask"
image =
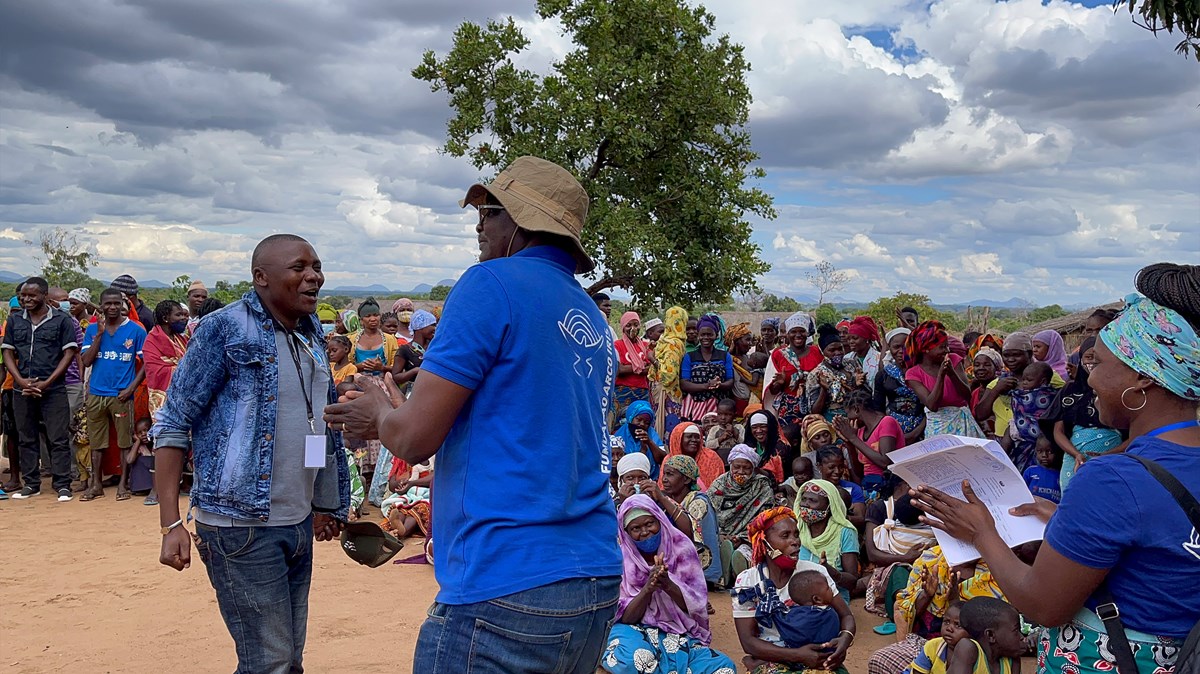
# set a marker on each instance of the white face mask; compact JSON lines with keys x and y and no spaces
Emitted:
{"x":404,"y":316}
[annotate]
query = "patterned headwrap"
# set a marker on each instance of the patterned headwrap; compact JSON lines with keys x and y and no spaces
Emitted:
{"x":1158,"y":342}
{"x":992,"y":355}
{"x":800,"y":320}
{"x":864,"y":327}
{"x":421,"y":319}
{"x":351,"y":321}
{"x":981,"y":342}
{"x":928,"y":335}
{"x":757,"y":531}
{"x":773,"y":321}
{"x":81,"y":295}
{"x":402,"y":304}
{"x":736,"y":332}
{"x":711,"y":321}
{"x":829,"y":542}
{"x":669,"y":351}
{"x":810,"y":426}
{"x":687,"y":467}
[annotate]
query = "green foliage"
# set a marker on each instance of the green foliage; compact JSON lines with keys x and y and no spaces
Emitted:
{"x":827,"y":313}
{"x":1169,"y":15}
{"x":649,"y":112}
{"x":439,"y":293}
{"x":778,"y":305}
{"x":179,"y":288}
{"x":884,"y":311}
{"x":65,"y":262}
{"x":228,"y":292}
{"x":1047,"y":313}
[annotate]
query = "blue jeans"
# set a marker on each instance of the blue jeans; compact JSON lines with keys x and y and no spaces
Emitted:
{"x":261,"y":575}
{"x":560,"y":628}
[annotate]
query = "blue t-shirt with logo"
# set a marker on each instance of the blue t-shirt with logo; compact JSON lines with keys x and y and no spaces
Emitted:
{"x":1115,"y":515}
{"x":1043,"y":482}
{"x":116,"y":364}
{"x":522,"y":478}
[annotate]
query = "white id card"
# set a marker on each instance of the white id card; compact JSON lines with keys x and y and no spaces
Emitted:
{"x":314,"y":451}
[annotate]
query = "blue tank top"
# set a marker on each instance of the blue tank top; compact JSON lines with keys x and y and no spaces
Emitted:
{"x":361,"y":354}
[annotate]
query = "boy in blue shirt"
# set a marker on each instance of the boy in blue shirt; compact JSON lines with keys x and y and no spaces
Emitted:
{"x":1043,"y":478}
{"x":112,"y":349}
{"x":513,"y":398}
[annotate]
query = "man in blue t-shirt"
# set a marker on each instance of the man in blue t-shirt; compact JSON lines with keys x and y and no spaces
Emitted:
{"x":112,"y":349}
{"x":513,"y":397}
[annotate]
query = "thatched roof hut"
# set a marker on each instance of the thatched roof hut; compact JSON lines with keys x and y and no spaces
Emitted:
{"x":1071,"y":325}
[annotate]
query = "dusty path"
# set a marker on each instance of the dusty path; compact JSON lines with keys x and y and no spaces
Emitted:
{"x":82,"y":591}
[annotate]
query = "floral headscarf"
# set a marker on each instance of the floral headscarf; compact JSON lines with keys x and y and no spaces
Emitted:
{"x":670,"y":349}
{"x":687,"y":467}
{"x":1158,"y":342}
{"x":757,"y":531}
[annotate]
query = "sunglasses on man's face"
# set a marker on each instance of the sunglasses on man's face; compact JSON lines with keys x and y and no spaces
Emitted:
{"x":487,"y":210}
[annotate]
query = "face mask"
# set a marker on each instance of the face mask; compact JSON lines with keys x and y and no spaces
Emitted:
{"x":328,"y":328}
{"x":781,"y":560}
{"x":836,"y":362}
{"x":404,"y":316}
{"x":65,"y":306}
{"x":178,"y":327}
{"x":649,"y":546}
{"x":740,"y":479}
{"x":812,"y":515}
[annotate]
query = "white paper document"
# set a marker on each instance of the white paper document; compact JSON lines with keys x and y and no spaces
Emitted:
{"x":944,"y":461}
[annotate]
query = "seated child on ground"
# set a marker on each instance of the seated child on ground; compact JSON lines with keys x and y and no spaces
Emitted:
{"x":810,"y":618}
{"x":995,"y":639}
{"x":937,"y":653}
{"x":1043,"y":478}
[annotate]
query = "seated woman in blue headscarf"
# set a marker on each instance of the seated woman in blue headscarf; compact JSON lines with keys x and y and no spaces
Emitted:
{"x":662,"y":619}
{"x":639,"y":435}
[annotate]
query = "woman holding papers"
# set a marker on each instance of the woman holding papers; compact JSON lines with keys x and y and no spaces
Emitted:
{"x":1120,"y":540}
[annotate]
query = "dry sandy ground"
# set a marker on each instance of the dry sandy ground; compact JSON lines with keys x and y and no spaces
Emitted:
{"x":83,"y":591}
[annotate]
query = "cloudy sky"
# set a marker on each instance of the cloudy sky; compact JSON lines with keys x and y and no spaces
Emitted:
{"x":960,"y":148}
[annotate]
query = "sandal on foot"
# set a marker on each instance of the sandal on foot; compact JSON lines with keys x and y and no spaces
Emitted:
{"x":91,"y":496}
{"x":123,"y":496}
{"x":150,"y":501}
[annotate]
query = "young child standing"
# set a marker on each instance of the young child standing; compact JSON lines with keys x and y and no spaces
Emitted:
{"x":995,"y":642}
{"x":1043,"y":479}
{"x":338,"y":348}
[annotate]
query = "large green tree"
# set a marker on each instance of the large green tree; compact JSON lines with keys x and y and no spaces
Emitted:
{"x":65,"y":262}
{"x":649,"y":112}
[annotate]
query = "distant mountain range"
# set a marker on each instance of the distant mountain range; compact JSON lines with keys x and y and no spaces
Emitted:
{"x":377,"y":289}
{"x":11,"y":277}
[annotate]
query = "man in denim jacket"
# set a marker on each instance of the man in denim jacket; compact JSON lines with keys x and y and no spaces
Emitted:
{"x":248,"y":394}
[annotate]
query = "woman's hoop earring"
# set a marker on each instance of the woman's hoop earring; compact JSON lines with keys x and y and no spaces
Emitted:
{"x":1126,"y":406}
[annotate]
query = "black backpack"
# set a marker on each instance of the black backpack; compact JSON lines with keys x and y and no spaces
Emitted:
{"x":1188,"y":660}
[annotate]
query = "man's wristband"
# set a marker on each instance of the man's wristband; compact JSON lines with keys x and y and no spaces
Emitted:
{"x":166,"y":530}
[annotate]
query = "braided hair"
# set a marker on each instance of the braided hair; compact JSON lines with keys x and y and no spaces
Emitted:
{"x":861,"y":397}
{"x":1175,"y":286}
{"x":163,"y":311}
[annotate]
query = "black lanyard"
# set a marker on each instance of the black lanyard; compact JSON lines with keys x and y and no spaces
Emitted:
{"x":294,"y":350}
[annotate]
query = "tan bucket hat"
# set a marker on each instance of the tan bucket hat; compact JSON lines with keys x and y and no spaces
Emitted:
{"x":540,"y":196}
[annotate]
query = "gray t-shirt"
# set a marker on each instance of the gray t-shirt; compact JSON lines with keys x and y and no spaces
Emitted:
{"x":291,"y":483}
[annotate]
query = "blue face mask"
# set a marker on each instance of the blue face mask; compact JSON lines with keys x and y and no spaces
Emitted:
{"x":178,"y":327}
{"x":328,"y":328}
{"x":649,"y":546}
{"x":65,"y":305}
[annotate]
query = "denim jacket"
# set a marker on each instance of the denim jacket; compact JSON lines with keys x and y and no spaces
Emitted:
{"x":222,"y":395}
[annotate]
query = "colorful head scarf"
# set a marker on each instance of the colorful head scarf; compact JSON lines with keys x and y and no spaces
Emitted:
{"x":829,"y":542}
{"x":757,"y":531}
{"x":80,"y":295}
{"x":955,"y":346}
{"x":773,"y":321}
{"x":421,"y":319}
{"x":1056,"y":353}
{"x":928,"y":335}
{"x":351,"y":321}
{"x":973,"y":349}
{"x":992,"y":355}
{"x":636,"y":409}
{"x":800,"y":320}
{"x":687,"y":467}
{"x":713,"y":322}
{"x":736,"y":332}
{"x":864,"y":327}
{"x":1158,"y":342}
{"x":679,"y":554}
{"x":635,"y":351}
{"x":844,"y":323}
{"x":402,"y":304}
{"x":326,"y":312}
{"x":670,"y":349}
{"x":809,"y":427}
